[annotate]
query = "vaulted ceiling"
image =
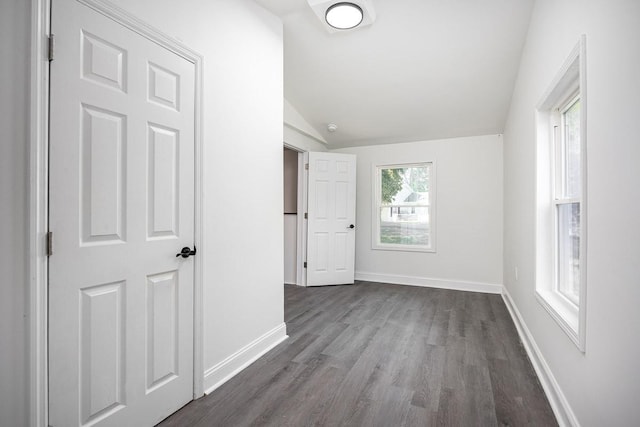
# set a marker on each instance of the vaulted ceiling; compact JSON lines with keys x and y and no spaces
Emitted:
{"x":425,"y":69}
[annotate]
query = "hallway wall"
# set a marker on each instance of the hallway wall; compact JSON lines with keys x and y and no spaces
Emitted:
{"x":602,"y":385}
{"x":14,"y":189}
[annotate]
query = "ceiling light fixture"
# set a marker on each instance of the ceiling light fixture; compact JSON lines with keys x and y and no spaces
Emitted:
{"x":344,"y":15}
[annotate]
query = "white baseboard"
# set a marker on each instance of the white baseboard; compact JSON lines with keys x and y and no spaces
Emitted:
{"x":457,"y":285}
{"x":561,"y":408}
{"x":222,"y":372}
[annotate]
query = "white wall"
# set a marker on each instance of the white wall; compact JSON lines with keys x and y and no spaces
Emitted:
{"x":14,"y":181}
{"x":295,"y":120}
{"x":243,"y":115}
{"x":300,"y":141}
{"x":602,"y":386}
{"x":469,"y":214}
{"x":298,"y":133}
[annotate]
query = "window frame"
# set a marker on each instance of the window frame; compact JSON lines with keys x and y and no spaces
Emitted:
{"x":568,"y":85}
{"x":559,"y":185}
{"x":378,"y":205}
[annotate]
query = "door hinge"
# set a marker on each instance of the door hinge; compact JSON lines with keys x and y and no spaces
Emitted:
{"x":306,"y":166}
{"x":306,"y":215}
{"x":50,"y":47}
{"x":305,"y":264}
{"x":49,"y":243}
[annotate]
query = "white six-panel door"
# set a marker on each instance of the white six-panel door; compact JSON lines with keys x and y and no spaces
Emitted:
{"x":331,"y":219}
{"x":121,"y":207}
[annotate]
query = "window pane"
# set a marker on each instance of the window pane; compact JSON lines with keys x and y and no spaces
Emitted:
{"x":572,"y":151}
{"x":569,"y":250}
{"x":404,"y":225}
{"x":405,"y":185}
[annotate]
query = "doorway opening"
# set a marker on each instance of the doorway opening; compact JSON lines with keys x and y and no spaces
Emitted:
{"x":290,"y":177}
{"x":294,"y":208}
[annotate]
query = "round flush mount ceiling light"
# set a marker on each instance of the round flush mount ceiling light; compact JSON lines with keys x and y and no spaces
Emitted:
{"x":344,"y":16}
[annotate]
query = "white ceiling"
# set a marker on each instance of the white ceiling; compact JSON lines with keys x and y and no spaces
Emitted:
{"x":426,"y":69}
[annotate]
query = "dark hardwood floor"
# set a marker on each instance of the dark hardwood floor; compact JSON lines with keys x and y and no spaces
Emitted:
{"x":374,"y":354}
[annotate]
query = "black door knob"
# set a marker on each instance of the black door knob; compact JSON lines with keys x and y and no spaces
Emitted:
{"x":186,"y":252}
{"x":352,"y":226}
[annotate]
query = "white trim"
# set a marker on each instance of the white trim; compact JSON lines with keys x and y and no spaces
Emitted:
{"x":38,"y":197}
{"x":222,"y":372}
{"x":301,"y":232}
{"x":559,"y":404}
{"x":138,"y":26}
{"x":563,"y":82}
{"x":584,"y":217}
{"x":561,"y":310}
{"x":38,"y":215}
{"x":301,"y":209}
{"x":427,"y":282}
{"x":570,"y":79}
{"x":199,"y":232}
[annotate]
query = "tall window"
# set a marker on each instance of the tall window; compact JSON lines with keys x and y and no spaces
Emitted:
{"x":561,"y":212}
{"x":567,"y":198}
{"x":403,"y":207}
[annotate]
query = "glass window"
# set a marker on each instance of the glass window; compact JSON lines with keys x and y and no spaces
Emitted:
{"x":571,"y":145}
{"x":569,"y":251}
{"x":561,"y":214}
{"x":567,"y":200}
{"x":404,"y":208}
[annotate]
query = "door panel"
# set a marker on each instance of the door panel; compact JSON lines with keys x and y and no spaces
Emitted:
{"x":163,"y":209}
{"x":102,"y":350}
{"x":121,"y":207}
{"x":103,"y":62}
{"x":103,"y":180}
{"x":162,"y":329}
{"x":332,"y":208}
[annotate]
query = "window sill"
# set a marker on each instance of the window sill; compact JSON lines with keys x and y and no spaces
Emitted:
{"x":563,"y":312}
{"x":402,"y":248}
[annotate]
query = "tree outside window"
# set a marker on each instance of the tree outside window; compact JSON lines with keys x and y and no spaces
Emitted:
{"x":404,"y":208}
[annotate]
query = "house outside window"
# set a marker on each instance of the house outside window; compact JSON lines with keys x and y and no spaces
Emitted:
{"x":404,"y":207}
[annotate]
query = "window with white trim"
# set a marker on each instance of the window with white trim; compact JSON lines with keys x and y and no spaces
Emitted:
{"x":560,"y":196}
{"x":404,"y":207}
{"x":567,"y":198}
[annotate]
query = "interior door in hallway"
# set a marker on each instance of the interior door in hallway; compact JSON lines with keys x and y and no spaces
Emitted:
{"x":331,"y":219}
{"x":121,"y":208}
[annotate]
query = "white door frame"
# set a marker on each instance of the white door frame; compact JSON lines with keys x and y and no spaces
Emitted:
{"x":301,"y":227}
{"x":39,"y":195}
{"x":303,"y":189}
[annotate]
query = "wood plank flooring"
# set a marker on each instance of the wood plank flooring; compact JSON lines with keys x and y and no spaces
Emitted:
{"x":374,"y":354}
